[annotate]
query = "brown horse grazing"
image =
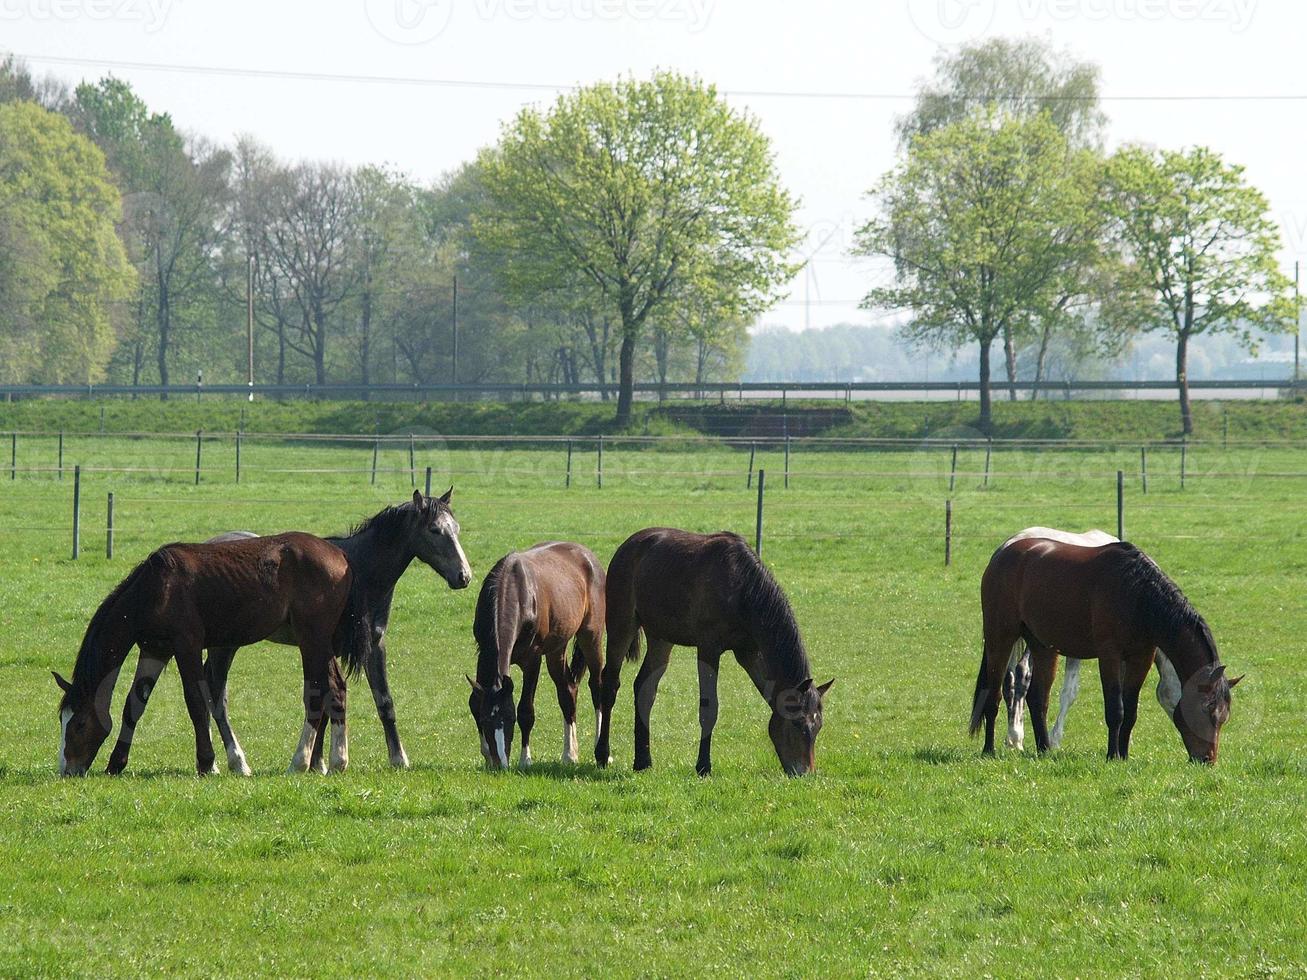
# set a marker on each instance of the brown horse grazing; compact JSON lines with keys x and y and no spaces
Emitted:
{"x":708,"y":591}
{"x":531,"y":604}
{"x":1111,"y":603}
{"x":185,"y":597}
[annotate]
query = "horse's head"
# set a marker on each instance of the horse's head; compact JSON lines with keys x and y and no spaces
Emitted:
{"x":795,"y":722}
{"x":496,"y":718}
{"x":1204,"y":706}
{"x":83,"y":727}
{"x":436,"y":539}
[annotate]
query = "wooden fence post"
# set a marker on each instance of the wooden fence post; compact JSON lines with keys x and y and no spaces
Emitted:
{"x":1120,"y":505}
{"x":599,"y":464}
{"x":238,"y":456}
{"x":748,"y":480}
{"x":989,"y":451}
{"x":948,"y":532}
{"x":376,"y":448}
{"x":77,"y":511}
{"x":412,"y":463}
{"x":13,"y":456}
{"x":757,"y":533}
{"x":1143,"y":468}
{"x":787,"y":462}
{"x":1184,"y":461}
{"x":199,"y":433}
{"x":428,"y":482}
{"x":61,"y":454}
{"x":568,"y":481}
{"x":953,"y":469}
{"x":108,"y":539}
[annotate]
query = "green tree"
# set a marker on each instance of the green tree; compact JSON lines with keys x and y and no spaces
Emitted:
{"x":1200,"y":245}
{"x":989,"y":223}
{"x":648,"y":190}
{"x":62,"y":268}
{"x":1018,"y":78}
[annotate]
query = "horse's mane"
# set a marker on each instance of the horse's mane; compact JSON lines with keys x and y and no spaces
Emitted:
{"x":1158,"y":602}
{"x":388,"y":523}
{"x":93,"y":658}
{"x":486,"y":621}
{"x":770,"y":616}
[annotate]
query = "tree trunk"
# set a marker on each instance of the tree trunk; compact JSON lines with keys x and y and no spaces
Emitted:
{"x":626,"y":377}
{"x":662,"y":352}
{"x":1182,"y":382}
{"x":320,"y":346}
{"x":986,"y":424}
{"x":365,"y":344}
{"x":1039,"y":362}
{"x":165,"y":331}
{"x":1010,"y":361}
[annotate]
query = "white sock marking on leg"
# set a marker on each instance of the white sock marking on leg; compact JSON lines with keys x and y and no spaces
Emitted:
{"x":525,"y":761}
{"x":569,"y":742}
{"x":1070,"y":691}
{"x":299,"y":762}
{"x":339,"y":746}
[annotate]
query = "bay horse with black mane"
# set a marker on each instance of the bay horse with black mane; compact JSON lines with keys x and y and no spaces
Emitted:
{"x":1111,"y":603}
{"x":185,"y":597}
{"x":379,"y":550}
{"x":531,"y":605}
{"x":711,"y":592}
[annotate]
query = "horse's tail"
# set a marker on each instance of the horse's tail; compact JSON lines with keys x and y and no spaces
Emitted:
{"x":979,"y":698}
{"x":633,"y":652}
{"x":354,"y":631}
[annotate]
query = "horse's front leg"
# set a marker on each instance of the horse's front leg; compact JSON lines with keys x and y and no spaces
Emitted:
{"x":646,"y":690}
{"x":379,"y":682}
{"x":526,"y":706}
{"x":709,"y":664}
{"x":216,"y":668}
{"x":1134,"y":671}
{"x":190,"y":665}
{"x":1109,"y":674}
{"x":149,"y":666}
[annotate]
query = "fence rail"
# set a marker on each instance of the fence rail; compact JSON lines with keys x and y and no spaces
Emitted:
{"x":700,"y":390}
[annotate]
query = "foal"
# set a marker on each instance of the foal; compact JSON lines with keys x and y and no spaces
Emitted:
{"x":531,"y":605}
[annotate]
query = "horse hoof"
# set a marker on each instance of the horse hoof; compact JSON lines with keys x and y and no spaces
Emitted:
{"x":399,"y":760}
{"x":703,"y":770}
{"x":643,"y":764}
{"x":210,"y":770}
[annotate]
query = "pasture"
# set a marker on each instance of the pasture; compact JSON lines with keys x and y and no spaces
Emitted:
{"x":906,"y":854}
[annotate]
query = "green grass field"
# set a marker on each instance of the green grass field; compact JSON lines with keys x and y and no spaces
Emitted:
{"x":906,"y":854}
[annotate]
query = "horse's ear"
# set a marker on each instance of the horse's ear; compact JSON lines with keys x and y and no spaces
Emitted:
{"x":805,"y":685}
{"x":475,"y":686}
{"x":1236,"y":680}
{"x":1217,"y":671}
{"x":64,"y":685}
{"x":448,"y":495}
{"x":417,"y":498}
{"x":825,"y":687}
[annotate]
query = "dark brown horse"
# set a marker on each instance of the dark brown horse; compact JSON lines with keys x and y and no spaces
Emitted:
{"x":185,"y":597}
{"x":1110,"y":603}
{"x":531,"y":605}
{"x":380,"y":550}
{"x":711,"y":592}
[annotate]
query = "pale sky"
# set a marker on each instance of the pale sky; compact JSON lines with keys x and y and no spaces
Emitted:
{"x":856,"y":64}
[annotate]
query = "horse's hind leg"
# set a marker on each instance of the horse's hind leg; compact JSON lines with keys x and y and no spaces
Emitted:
{"x":315,"y":656}
{"x":646,"y":690}
{"x":709,"y":664}
{"x":216,"y":668}
{"x":336,"y":708}
{"x":588,"y":653}
{"x":621,"y":647}
{"x":149,"y":665}
{"x":526,"y":704}
{"x":1044,"y":662}
{"x":994,"y":662}
{"x":564,"y":678}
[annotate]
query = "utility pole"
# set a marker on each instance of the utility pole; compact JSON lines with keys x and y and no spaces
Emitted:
{"x":249,"y":319}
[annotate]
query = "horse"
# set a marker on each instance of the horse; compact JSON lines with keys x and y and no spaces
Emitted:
{"x":531,"y":605}
{"x":1017,"y":680}
{"x":184,"y":597}
{"x":379,"y":551}
{"x":1111,"y":603}
{"x":708,"y":591}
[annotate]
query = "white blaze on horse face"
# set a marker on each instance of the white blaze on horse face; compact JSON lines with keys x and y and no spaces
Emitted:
{"x":65,"y":717}
{"x":299,"y":762}
{"x":451,"y":528}
{"x":1070,"y":691}
{"x":501,"y":756}
{"x":569,"y":742}
{"x":1169,"y":688}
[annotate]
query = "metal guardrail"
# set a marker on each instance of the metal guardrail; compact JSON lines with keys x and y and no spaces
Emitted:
{"x":702,"y":390}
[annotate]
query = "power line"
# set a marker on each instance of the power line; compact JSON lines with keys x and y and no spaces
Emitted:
{"x":501,"y":85}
